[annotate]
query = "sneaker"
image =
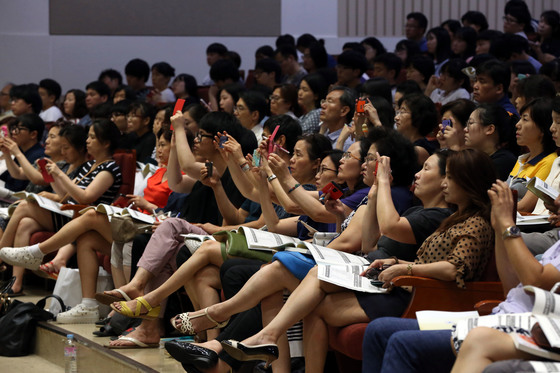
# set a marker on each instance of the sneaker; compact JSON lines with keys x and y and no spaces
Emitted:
{"x":20,"y":256}
{"x":79,"y":315}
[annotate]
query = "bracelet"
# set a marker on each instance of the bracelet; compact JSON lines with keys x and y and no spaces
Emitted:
{"x":395,"y":258}
{"x":271,"y":177}
{"x":294,"y":188}
{"x":409,"y":269}
{"x":245,"y":167}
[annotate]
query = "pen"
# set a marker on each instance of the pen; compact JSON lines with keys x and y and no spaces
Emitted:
{"x":155,"y":215}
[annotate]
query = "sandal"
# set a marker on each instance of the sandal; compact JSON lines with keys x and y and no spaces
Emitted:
{"x":47,"y":270}
{"x":151,"y":313}
{"x":186,"y":326}
{"x":107,"y":299}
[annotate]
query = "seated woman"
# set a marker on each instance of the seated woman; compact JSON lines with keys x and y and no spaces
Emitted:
{"x":284,"y":100}
{"x":420,"y":351}
{"x":96,"y":181}
{"x":457,"y":113}
{"x":74,"y":105}
{"x":451,"y":85}
{"x":462,"y":242}
{"x":251,"y":109}
{"x":312,"y":89}
{"x":489,"y":129}
{"x":533,"y":132}
{"x":140,"y":120}
{"x":415,"y":119}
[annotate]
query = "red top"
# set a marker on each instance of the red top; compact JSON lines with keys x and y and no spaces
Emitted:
{"x":157,"y":192}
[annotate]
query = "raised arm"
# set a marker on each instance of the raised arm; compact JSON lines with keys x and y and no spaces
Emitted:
{"x":514,"y":260}
{"x":370,"y":223}
{"x":187,"y":161}
{"x":177,"y":181}
{"x":391,"y":224}
{"x":25,"y":170}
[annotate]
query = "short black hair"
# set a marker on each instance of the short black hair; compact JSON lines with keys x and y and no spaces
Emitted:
{"x":145,"y":109}
{"x":423,"y":112}
{"x":255,"y":101}
{"x":408,"y":87}
{"x":498,"y":71}
{"x":191,"y":86}
{"x":385,"y":110}
{"x":348,"y":98}
{"x":234,"y":89}
{"x":269,"y":65}
{"x":164,"y":69}
{"x":76,"y":136}
{"x":488,"y":35}
{"x":522,"y":67}
{"x":411,"y":47}
{"x":424,"y":64}
{"x":377,"y":87}
{"x":391,"y":62}
{"x":129,"y":93}
{"x":286,"y":51}
{"x":375,"y":44}
{"x":420,"y":18}
{"x":541,"y":114}
{"x":101,"y":111}
{"x":138,"y":68}
{"x":461,"y":109}
{"x":452,"y":24}
{"x":353,"y":60}
{"x":52,"y":87}
{"x":100,"y":88}
{"x":121,"y":107}
{"x":305,"y":40}
{"x":468,"y":35}
{"x":285,"y":39}
{"x":32,"y":122}
{"x":224,"y":69}
{"x":289,"y":127}
{"x":454,"y":68}
{"x":29,"y":94}
{"x":354,"y":46}
{"x":319,"y":55}
{"x":536,"y":86}
{"x":519,"y":10}
{"x":265,"y":50}
{"x":219,"y":121}
{"x":475,"y":17}
{"x":235,"y":57}
{"x":217,"y":48}
{"x":107,"y":132}
{"x":111,"y":74}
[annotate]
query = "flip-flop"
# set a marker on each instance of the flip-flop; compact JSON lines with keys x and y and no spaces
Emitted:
{"x":108,"y":299}
{"x":137,"y":344}
{"x":43,"y":271}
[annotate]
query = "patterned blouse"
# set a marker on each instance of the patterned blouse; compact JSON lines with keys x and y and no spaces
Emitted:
{"x":468,"y":245}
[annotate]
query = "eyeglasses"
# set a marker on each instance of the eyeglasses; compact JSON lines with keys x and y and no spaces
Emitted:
{"x":327,"y":101}
{"x":239,"y":108}
{"x":274,"y":98}
{"x":200,"y":135}
{"x":402,"y":112}
{"x":323,"y":169}
{"x":509,"y":20}
{"x":348,"y":155}
{"x":370,"y":158}
{"x":16,"y":130}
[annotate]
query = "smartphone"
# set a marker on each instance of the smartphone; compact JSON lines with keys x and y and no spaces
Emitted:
{"x":334,"y":189}
{"x":223,"y":139}
{"x":360,"y":106}
{"x":209,"y":167}
{"x":178,"y":107}
{"x":43,"y":167}
{"x":4,"y":131}
{"x":445,"y":123}
{"x":256,"y":158}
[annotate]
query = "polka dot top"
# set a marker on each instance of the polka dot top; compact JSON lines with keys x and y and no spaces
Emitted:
{"x":467,"y":245}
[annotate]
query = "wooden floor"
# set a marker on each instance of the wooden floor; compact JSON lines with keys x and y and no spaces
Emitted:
{"x":49,"y":355}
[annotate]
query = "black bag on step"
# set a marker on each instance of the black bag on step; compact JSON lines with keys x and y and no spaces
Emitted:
{"x":18,"y":326}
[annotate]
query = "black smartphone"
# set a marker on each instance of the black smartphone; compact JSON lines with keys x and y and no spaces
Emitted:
{"x":209,"y":167}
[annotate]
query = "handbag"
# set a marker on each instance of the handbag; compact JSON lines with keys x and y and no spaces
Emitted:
{"x":18,"y":326}
{"x":5,"y":299}
{"x":124,"y":228}
{"x":235,"y":244}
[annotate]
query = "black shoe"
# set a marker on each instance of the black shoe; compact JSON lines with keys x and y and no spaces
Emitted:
{"x":237,"y":350}
{"x":104,"y":321}
{"x":191,"y":354}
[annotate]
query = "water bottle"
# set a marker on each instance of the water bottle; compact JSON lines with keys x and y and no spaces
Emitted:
{"x":70,"y":355}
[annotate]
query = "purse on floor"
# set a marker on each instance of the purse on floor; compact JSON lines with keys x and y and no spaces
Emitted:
{"x":18,"y":326}
{"x":124,"y":228}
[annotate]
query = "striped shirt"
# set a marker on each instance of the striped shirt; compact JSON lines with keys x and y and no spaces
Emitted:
{"x":110,"y":166}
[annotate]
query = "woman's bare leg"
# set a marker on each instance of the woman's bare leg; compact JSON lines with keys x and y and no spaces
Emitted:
{"x":127,"y":271}
{"x":205,"y":255}
{"x":301,"y":302}
{"x":90,"y":221}
{"x":315,"y":331}
{"x":25,"y":209}
{"x":149,"y":331}
{"x":484,"y":346}
{"x":270,"y":306}
{"x":62,"y":256}
{"x":88,"y":244}
{"x":205,"y":287}
{"x":118,"y":277}
{"x":27,"y":226}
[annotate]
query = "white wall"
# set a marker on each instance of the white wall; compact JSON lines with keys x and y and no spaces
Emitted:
{"x":30,"y":54}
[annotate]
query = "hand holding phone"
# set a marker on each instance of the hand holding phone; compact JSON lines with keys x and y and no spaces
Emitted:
{"x":209,"y":169}
{"x":178,"y":107}
{"x":360,"y":106}
{"x":333,"y":189}
{"x":445,"y":123}
{"x":48,"y":178}
{"x":223,"y":140}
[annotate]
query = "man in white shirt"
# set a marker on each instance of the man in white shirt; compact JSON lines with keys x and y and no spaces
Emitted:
{"x":50,"y":91}
{"x":337,"y":110}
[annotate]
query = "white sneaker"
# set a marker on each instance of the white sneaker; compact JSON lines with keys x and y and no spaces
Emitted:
{"x":20,"y":256}
{"x":79,"y":314}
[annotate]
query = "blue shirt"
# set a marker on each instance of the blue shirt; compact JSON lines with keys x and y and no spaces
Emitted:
{"x":32,"y":154}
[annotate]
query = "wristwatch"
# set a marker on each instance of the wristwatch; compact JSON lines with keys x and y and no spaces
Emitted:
{"x":511,"y":232}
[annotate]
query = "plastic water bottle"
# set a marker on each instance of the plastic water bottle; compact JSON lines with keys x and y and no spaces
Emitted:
{"x":70,"y":355}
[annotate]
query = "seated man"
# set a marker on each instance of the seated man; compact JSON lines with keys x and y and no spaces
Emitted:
{"x":350,"y":68}
{"x":97,"y":93}
{"x":337,"y":110}
{"x":25,"y":99}
{"x":492,"y":83}
{"x":137,"y":72}
{"x":50,"y":91}
{"x":26,"y":134}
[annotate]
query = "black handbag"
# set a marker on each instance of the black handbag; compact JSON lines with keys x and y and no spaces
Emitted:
{"x":18,"y":326}
{"x":5,"y":299}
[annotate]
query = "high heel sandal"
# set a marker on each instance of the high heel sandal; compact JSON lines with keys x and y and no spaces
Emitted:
{"x":186,"y":326}
{"x":241,"y":352}
{"x":151,"y":313}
